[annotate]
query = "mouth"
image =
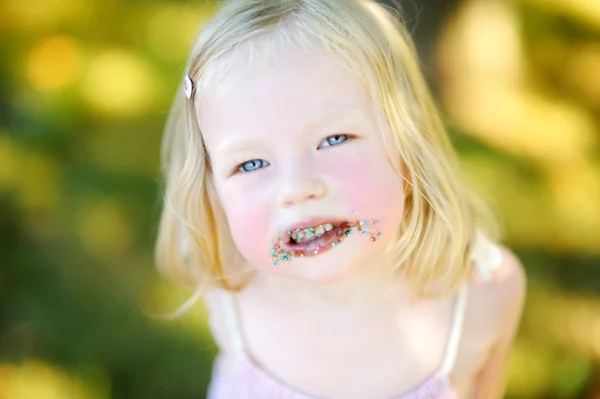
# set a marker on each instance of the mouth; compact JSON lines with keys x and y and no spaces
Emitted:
{"x":319,"y":238}
{"x":299,"y":236}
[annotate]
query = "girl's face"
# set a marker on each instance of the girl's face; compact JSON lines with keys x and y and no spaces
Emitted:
{"x":295,"y":140}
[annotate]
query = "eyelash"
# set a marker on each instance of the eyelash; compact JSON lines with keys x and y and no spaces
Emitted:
{"x":263,"y":163}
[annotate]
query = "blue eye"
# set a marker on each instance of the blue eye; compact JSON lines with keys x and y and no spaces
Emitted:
{"x":334,"y":140}
{"x":253,"y":165}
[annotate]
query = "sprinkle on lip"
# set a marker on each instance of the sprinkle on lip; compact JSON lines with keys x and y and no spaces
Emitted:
{"x":283,"y":248}
{"x":299,"y":236}
{"x":310,"y":228}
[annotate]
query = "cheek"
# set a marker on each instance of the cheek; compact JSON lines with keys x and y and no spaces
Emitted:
{"x":372,"y":188}
{"x":249,"y":224}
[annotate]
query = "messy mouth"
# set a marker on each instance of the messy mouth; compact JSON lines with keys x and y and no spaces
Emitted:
{"x":314,"y":240}
{"x":301,"y":236}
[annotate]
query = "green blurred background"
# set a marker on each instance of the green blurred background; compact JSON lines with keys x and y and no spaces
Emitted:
{"x":85,"y":87}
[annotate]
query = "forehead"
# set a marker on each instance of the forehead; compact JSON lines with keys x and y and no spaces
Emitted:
{"x":263,"y":89}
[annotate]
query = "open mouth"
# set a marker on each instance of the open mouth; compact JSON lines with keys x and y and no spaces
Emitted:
{"x":314,"y":240}
{"x":316,"y":233}
{"x":317,"y":239}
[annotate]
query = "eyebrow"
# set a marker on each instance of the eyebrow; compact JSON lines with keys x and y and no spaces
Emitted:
{"x":236,"y":144}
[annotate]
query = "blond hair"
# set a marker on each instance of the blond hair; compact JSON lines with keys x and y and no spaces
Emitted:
{"x":442,"y":215}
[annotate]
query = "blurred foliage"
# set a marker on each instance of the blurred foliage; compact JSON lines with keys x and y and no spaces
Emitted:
{"x":85,"y":87}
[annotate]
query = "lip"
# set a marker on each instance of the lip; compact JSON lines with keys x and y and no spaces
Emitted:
{"x":285,"y":237}
{"x":284,"y":250}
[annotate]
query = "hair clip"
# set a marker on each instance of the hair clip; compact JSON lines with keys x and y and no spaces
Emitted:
{"x":188,"y":87}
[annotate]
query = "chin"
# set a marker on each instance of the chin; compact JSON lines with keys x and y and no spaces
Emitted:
{"x":324,"y":275}
{"x":323,"y":269}
{"x":328,"y":267}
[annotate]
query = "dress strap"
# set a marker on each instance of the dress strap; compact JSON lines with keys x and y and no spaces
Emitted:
{"x":487,"y":257}
{"x":460,"y":307}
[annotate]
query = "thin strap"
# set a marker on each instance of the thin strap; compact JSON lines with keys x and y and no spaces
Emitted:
{"x":460,"y":308}
{"x":231,"y":323}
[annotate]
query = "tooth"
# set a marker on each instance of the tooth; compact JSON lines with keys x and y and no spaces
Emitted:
{"x":300,"y":235}
{"x":294,"y":235}
{"x":310,"y":234}
{"x":328,"y":227}
{"x":320,"y":230}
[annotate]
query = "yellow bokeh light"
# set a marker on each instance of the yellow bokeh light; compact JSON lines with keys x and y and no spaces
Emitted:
{"x":527,"y":208}
{"x":38,"y":182}
{"x":583,"y":72}
{"x":169,"y":27}
{"x":104,"y":230}
{"x":486,"y":94}
{"x":519,"y":121}
{"x":596,"y":336}
{"x":529,"y":371}
{"x":586,"y":12}
{"x":54,"y":63}
{"x":42,"y":15}
{"x":574,"y":319}
{"x":120,"y":83}
{"x":7,"y":162}
{"x":35,"y":379}
{"x":7,"y":372}
{"x":482,"y":38}
{"x":576,"y":191}
{"x":169,"y":303}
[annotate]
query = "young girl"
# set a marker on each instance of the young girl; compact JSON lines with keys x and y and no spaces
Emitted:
{"x":314,"y":200}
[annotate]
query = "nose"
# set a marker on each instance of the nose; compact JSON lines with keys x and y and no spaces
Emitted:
{"x":300,"y":186}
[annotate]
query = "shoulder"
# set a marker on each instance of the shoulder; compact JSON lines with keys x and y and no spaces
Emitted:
{"x":499,"y":297}
{"x":495,"y":304}
{"x":506,"y":283}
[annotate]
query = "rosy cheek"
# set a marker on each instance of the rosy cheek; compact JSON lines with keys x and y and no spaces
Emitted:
{"x":370,"y":186}
{"x":248,"y":223}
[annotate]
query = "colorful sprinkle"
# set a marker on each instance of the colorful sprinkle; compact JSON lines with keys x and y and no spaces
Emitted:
{"x":365,"y":227}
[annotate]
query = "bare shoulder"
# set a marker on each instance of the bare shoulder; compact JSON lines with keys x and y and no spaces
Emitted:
{"x":507,"y":283}
{"x":499,"y":299}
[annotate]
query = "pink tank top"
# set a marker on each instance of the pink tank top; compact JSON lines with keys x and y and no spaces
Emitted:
{"x":238,"y":376}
